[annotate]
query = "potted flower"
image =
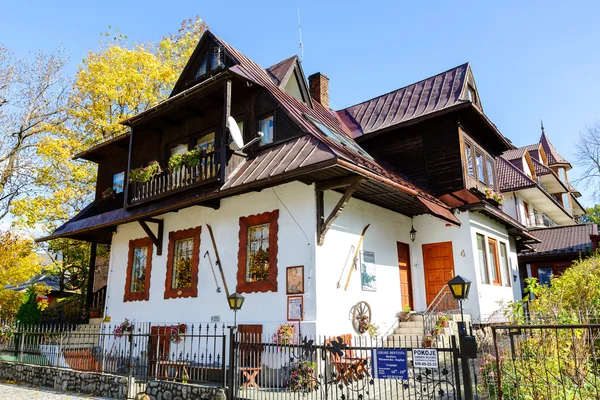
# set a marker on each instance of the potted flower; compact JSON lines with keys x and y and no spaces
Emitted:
{"x":372,"y":330}
{"x":303,"y":377}
{"x":125,"y":326}
{"x":404,"y":315}
{"x":175,"y":162}
{"x":144,"y":174}
{"x":284,"y":334}
{"x":109,"y":193}
{"x":428,"y":340}
{"x":437,"y":329}
{"x":443,"y":320}
{"x":175,"y":332}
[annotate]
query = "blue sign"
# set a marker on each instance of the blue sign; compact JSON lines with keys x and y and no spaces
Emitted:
{"x":389,"y":364}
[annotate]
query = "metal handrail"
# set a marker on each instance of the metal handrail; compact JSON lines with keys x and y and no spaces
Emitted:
{"x":444,"y":301}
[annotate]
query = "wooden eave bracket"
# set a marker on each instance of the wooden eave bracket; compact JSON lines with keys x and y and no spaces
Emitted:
{"x":156,"y":239}
{"x":323,"y":225}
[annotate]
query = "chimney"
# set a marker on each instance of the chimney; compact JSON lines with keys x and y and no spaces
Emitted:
{"x":319,"y":88}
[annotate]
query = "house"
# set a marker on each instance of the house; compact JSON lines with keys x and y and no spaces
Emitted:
{"x":400,"y":180}
{"x":537,"y":193}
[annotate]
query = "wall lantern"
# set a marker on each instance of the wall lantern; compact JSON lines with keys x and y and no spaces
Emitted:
{"x":235,"y":301}
{"x":413,"y":233}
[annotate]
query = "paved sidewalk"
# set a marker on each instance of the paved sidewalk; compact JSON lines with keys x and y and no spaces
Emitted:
{"x":23,"y":392}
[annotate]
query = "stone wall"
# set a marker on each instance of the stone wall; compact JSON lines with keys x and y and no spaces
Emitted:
{"x":68,"y":380}
{"x":160,"y":390}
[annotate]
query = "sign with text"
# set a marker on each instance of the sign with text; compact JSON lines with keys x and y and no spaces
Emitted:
{"x":425,"y":358}
{"x":389,"y":364}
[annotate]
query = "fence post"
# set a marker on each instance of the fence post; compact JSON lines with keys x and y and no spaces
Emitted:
{"x":130,"y":378}
{"x":232,"y":347}
{"x":498,"y":370}
{"x":224,"y":351}
{"x":456,"y":370}
{"x":22,"y":346}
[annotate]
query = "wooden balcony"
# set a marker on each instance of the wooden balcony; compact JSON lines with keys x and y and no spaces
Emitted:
{"x":182,"y":178}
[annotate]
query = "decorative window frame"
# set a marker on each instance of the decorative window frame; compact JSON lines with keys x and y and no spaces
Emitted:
{"x":496,"y":255}
{"x":145,"y":295}
{"x":192,"y":233}
{"x":269,"y":285}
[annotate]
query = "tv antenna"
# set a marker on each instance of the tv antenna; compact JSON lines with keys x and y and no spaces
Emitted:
{"x":300,"y":33}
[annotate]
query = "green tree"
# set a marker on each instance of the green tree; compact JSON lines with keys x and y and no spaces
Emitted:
{"x":592,"y":215}
{"x":30,"y":311}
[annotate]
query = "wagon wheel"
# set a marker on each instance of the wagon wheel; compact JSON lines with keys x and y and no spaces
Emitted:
{"x":361,"y":312}
{"x":73,"y":277}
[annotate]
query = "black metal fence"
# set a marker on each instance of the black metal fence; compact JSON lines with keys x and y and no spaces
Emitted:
{"x":343,"y":367}
{"x":545,"y":361}
{"x":141,"y":351}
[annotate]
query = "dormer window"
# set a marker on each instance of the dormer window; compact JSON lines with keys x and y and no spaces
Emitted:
{"x":479,"y":166}
{"x":265,"y":125}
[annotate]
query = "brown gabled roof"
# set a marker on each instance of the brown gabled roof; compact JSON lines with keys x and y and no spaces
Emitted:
{"x":279,"y":71}
{"x":553,"y":157}
{"x":430,"y":95}
{"x":514,"y":154}
{"x":510,"y":177}
{"x":541,"y":169}
{"x":573,"y":239}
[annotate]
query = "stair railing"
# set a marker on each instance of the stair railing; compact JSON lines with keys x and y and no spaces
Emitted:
{"x":443,"y":302}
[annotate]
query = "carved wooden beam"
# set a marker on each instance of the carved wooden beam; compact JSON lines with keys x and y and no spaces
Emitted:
{"x":323,"y":225}
{"x":156,"y":239}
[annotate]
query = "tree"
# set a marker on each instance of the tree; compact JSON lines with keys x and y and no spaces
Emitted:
{"x":113,"y":83}
{"x":587,"y":151}
{"x":592,"y":215}
{"x":33,"y":100}
{"x":18,"y":260}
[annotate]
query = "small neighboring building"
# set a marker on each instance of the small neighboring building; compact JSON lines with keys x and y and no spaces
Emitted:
{"x":559,"y":248}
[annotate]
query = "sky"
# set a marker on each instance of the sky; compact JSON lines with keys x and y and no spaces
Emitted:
{"x":532,"y":61}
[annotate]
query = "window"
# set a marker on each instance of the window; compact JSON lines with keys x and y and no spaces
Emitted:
{"x":562,"y":173}
{"x":567,"y":202}
{"x":471,"y":94}
{"x":490,"y":171}
{"x":339,"y":138}
{"x":469,"y":157}
{"x":480,"y":167}
{"x":118,"y":182}
{"x":257,"y":254}
{"x":265,"y":126}
{"x":544,"y":275}
{"x":483,"y":267}
{"x":179,"y":149}
{"x":203,"y":67}
{"x":206,"y":142}
{"x":182,"y":263}
{"x":139,"y":263}
{"x":505,"y":265}
{"x":494,"y":262}
{"x":240,"y":125}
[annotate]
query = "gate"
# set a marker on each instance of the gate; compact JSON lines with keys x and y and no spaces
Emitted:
{"x":542,"y":362}
{"x":342,"y":367}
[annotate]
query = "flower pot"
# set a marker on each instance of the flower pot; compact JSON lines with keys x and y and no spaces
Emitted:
{"x":404,"y":316}
{"x":94,"y":314}
{"x":427,"y":343}
{"x":445,"y":324}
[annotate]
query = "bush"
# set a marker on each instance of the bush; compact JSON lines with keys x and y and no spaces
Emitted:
{"x":30,"y":311}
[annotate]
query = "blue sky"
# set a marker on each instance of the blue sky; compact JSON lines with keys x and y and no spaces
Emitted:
{"x":532,"y":60}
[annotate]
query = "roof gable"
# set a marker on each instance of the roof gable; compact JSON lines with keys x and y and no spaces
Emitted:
{"x":289,"y":76}
{"x":208,"y":58}
{"x":510,"y":177}
{"x":552,"y":155}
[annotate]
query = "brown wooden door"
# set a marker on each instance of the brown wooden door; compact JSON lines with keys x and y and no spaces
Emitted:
{"x":438,"y":265}
{"x":406,"y":292}
{"x":160,"y":343}
{"x":250,"y":346}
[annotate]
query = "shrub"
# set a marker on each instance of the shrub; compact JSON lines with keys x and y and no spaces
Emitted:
{"x":30,"y":311}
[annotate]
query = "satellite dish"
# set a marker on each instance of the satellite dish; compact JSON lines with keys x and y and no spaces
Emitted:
{"x":236,"y":135}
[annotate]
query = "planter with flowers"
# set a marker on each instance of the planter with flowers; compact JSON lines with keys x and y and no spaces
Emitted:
{"x":284,"y":335}
{"x":109,"y":193}
{"x":125,"y":327}
{"x":175,"y":332}
{"x":144,"y":174}
{"x":428,"y":340}
{"x":443,"y":320}
{"x":405,"y":314}
{"x":497,"y":198}
{"x":303,"y":377}
{"x":365,"y":326}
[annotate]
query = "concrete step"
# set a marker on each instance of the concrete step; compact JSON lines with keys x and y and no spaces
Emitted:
{"x":411,"y":324}
{"x":408,"y":330}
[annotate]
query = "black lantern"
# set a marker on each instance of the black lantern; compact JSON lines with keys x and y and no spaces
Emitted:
{"x":235,"y":301}
{"x":413,"y":233}
{"x":460,"y":287}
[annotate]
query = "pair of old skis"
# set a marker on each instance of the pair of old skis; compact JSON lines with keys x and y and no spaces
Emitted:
{"x":218,"y":262}
{"x":354,"y":260}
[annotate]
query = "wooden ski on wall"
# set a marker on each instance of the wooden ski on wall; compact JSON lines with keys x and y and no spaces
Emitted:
{"x":356,"y":253}
{"x":218,"y":260}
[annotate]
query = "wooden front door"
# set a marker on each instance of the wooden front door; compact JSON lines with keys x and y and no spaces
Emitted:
{"x":160,"y":343}
{"x":438,"y":265}
{"x":406,"y":292}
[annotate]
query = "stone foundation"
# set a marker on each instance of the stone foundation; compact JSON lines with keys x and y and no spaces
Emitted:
{"x":91,"y":383}
{"x":160,"y":390}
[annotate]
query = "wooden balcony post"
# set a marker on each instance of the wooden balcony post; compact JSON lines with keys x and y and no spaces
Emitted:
{"x":224,"y":136}
{"x":126,"y":177}
{"x":91,"y":273}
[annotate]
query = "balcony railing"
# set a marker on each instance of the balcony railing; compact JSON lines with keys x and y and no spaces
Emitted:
{"x":183,"y":177}
{"x":539,"y":220}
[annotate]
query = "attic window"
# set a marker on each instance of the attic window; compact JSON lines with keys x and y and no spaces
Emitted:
{"x":472,"y":95}
{"x":339,"y":138}
{"x":211,"y":60}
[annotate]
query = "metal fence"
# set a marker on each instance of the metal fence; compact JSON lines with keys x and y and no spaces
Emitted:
{"x":545,"y":361}
{"x":140,"y":351}
{"x":343,"y":367}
